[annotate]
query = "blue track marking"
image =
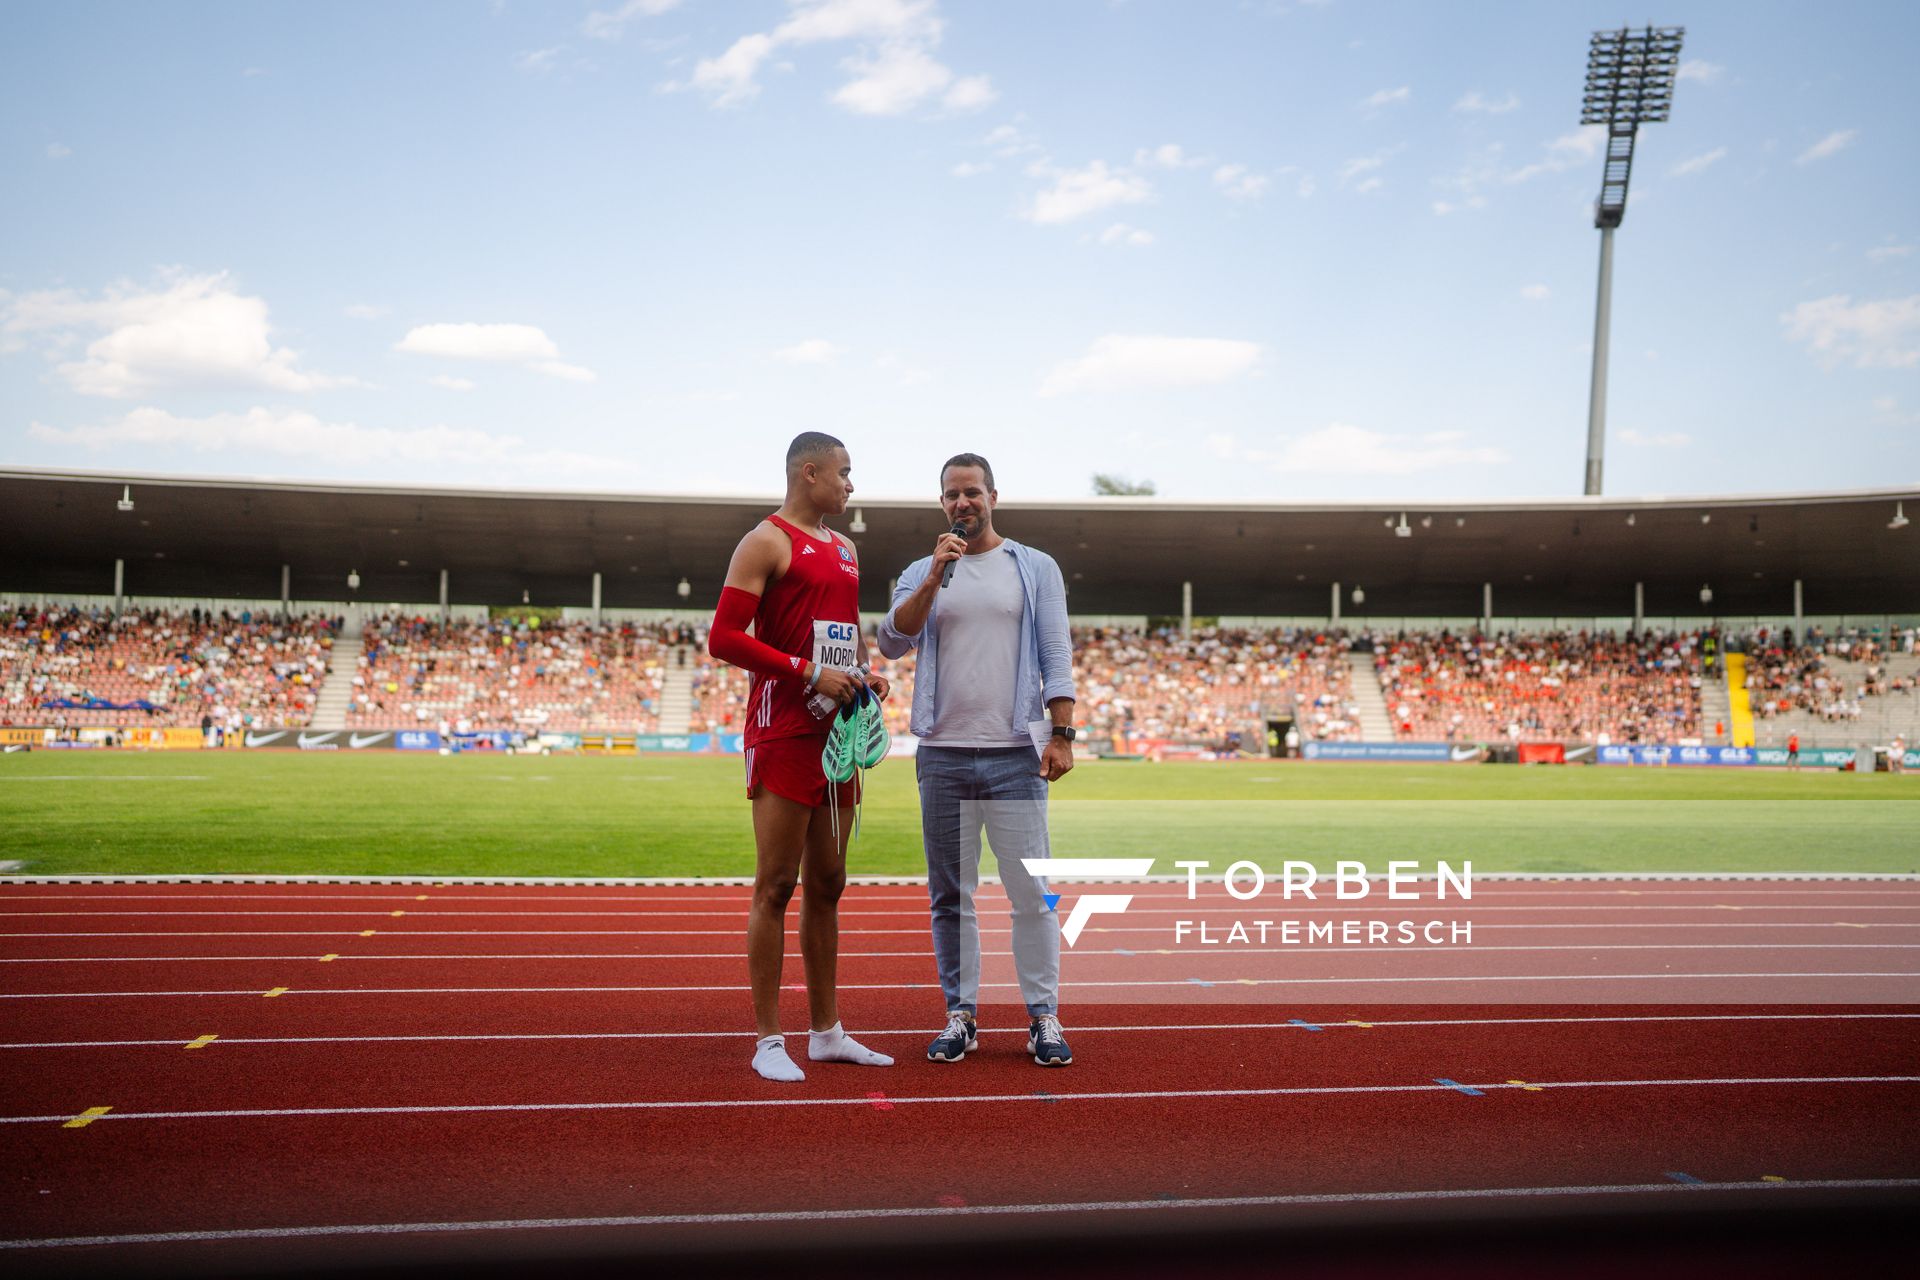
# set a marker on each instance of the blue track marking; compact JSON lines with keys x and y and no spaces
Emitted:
{"x":1467,"y":1089}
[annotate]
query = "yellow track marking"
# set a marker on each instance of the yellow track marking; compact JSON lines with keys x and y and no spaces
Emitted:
{"x":1530,"y":1088}
{"x":86,"y":1117}
{"x":398,"y":914}
{"x":331,"y":955}
{"x":366,"y":933}
{"x":202,"y":1042}
{"x":1355,"y":1022}
{"x":1771,"y":1177}
{"x":277,"y":991}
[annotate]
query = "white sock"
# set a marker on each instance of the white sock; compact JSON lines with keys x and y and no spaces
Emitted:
{"x":771,"y":1061}
{"x":835,"y":1045}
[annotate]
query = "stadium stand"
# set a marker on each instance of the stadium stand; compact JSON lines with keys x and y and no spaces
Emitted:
{"x":1154,"y":684}
{"x":1552,"y":686}
{"x":1820,"y":683}
{"x":415,"y":672}
{"x":152,"y":668}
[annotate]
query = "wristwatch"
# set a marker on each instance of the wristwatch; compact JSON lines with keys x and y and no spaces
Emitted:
{"x":1065,"y":731}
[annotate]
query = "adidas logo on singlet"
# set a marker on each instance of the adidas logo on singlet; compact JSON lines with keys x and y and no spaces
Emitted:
{"x":806,"y":551}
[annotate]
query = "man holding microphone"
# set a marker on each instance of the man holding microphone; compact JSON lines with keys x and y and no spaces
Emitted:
{"x":993,"y":710}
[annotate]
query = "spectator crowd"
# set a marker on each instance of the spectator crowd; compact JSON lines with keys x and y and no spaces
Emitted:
{"x":62,"y":666}
{"x":507,"y":673}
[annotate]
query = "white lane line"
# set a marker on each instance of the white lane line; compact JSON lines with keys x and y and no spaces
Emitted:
{"x":1157,"y":892}
{"x":1078,"y":1029}
{"x":708,"y":882}
{"x":954,"y":1211}
{"x":1192,"y":952}
{"x":846,"y":933}
{"x":1316,"y":1200}
{"x":898,"y":1100}
{"x":1357,"y":910}
{"x":923,"y":986}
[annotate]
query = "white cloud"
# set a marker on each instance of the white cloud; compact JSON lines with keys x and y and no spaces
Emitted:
{"x":1888,"y":252}
{"x":1234,"y":180}
{"x":291,"y":433}
{"x":1076,"y":193}
{"x":1701,"y":70}
{"x":1121,"y":362}
{"x":1121,"y":233}
{"x":1342,"y":449}
{"x":1388,"y":97}
{"x":1475,"y":101}
{"x":1564,"y":152}
{"x":1699,"y":162}
{"x":1008,"y":142}
{"x":970,"y":169}
{"x":1834,"y":143}
{"x":1883,"y":334}
{"x":445,"y":383}
{"x":729,"y":78}
{"x":812,"y":351}
{"x":1168,"y":155}
{"x":538,"y":62}
{"x":610,"y":24}
{"x":1641,"y":440}
{"x":365,"y":311}
{"x":1442,"y":208}
{"x":899,"y":79}
{"x":1535,"y":292}
{"x":1365,"y":169}
{"x":520,"y":344}
{"x":893,"y":72}
{"x":58,"y":151}
{"x":970,"y":93}
{"x":193,"y":331}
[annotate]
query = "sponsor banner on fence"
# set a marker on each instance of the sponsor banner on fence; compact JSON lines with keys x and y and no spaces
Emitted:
{"x":416,"y":740}
{"x":1657,"y":755}
{"x":1817,"y":757}
{"x":11,"y":737}
{"x":1435,"y":751}
{"x":166,"y":739}
{"x":1543,"y":753}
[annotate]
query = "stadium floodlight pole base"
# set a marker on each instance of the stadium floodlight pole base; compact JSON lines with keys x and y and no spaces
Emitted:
{"x":1597,"y":395}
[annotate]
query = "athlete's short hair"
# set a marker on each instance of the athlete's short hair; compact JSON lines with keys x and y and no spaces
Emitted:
{"x":966,"y":460}
{"x":809,"y":444}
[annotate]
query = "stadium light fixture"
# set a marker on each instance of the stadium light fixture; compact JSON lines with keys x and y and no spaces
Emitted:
{"x":1403,"y":529}
{"x":526,"y":596}
{"x":1706,"y":595}
{"x":353,"y":579}
{"x":126,"y":498}
{"x":1899,"y":520}
{"x":859,"y":522}
{"x":1630,"y":76}
{"x":684,"y":589}
{"x":1359,"y":596}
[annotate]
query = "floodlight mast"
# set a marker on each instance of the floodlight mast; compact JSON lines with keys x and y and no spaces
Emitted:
{"x":1630,"y":77}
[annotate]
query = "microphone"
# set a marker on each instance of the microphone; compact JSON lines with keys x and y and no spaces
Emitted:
{"x":946,"y":574}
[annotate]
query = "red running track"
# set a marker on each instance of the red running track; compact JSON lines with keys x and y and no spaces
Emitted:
{"x":507,"y":1067}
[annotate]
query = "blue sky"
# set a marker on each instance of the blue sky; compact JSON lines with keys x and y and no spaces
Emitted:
{"x":1250,"y":251}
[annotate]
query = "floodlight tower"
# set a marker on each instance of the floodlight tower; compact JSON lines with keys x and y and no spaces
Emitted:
{"x":1630,"y":78}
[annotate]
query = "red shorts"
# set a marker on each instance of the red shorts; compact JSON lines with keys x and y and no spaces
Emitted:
{"x":790,"y":767}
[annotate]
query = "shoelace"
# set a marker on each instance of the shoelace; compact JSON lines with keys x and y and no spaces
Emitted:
{"x":1050,"y":1032}
{"x":957,"y":1026}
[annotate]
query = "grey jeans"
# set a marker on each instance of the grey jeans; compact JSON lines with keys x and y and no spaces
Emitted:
{"x":962,"y":790}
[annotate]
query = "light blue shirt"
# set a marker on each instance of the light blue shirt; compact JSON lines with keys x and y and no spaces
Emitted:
{"x":1045,"y":669}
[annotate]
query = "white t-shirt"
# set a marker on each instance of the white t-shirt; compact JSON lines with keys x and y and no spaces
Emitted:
{"x":978,"y":622}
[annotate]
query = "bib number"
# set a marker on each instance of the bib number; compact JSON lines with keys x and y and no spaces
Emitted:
{"x":836,"y":645}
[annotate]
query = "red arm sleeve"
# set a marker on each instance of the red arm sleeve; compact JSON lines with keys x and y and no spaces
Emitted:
{"x":727,"y":639}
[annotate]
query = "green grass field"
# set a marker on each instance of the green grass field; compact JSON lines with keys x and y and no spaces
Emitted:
{"x":391,"y":814}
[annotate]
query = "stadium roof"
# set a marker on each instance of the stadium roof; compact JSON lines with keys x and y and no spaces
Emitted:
{"x":198,"y":536}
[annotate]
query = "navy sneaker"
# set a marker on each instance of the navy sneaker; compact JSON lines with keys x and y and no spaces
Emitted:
{"x":957,"y":1041}
{"x":1047,"y":1043}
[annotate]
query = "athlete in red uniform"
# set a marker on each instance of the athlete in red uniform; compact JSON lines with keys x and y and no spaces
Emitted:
{"x":798,"y":583}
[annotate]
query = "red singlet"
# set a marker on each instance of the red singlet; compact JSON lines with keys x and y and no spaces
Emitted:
{"x":812,"y":613}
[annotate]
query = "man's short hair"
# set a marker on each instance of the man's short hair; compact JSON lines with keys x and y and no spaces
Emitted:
{"x":966,"y":460}
{"x":809,"y":444}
